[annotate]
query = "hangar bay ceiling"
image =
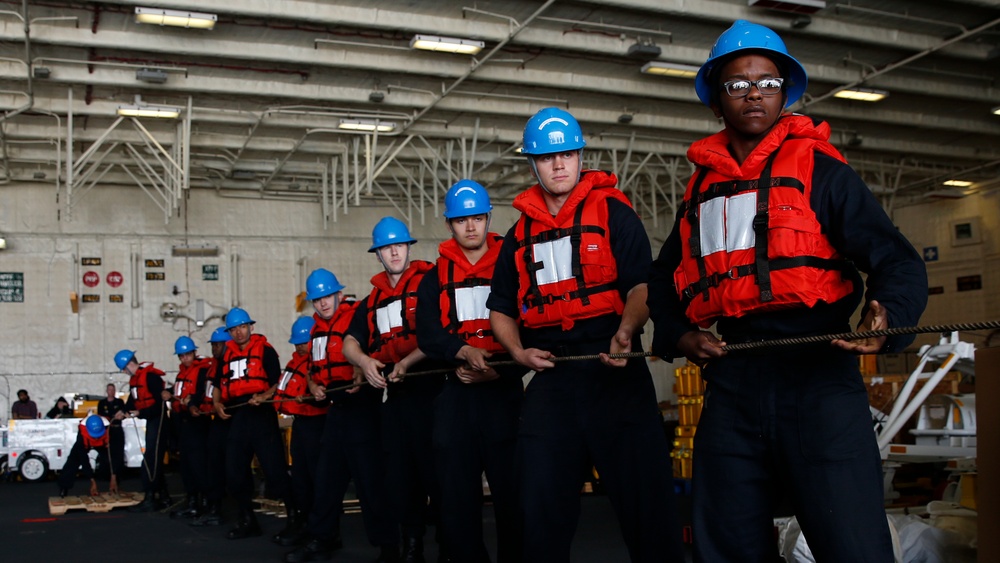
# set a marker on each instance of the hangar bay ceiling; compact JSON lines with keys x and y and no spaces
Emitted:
{"x":327,"y":101}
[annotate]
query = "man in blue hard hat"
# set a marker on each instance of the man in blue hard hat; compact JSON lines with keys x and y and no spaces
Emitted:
{"x":147,"y":396}
{"x":768,"y":242}
{"x":247,"y":376}
{"x":218,"y":437}
{"x":92,"y":435}
{"x":475,"y":417}
{"x":351,"y":447}
{"x":570,"y":280}
{"x":192,"y":412}
{"x":382,"y":337}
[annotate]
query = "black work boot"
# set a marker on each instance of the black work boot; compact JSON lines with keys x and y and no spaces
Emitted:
{"x":314,"y":550}
{"x":413,"y":550}
{"x":147,"y":504}
{"x":246,"y":527}
{"x":211,"y":516}
{"x":187,"y":510}
{"x":295,"y":530}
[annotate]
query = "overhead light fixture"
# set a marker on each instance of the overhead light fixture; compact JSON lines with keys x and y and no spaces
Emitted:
{"x":862,"y":94}
{"x":41,"y":72}
{"x":794,"y":6}
{"x":625,"y":118}
{"x":151,"y":75}
{"x":674,"y":70}
{"x":958,"y":183}
{"x":996,"y":110}
{"x":3,"y":242}
{"x":801,"y":22}
{"x":446,"y":44}
{"x":175,"y":18}
{"x":240,"y":174}
{"x":366,"y":125}
{"x":645,"y":50}
{"x":163,"y":112}
{"x":375,"y":96}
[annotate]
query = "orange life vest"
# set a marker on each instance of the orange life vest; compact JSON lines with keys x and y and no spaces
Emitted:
{"x":392,"y":314}
{"x":142,"y":397}
{"x":294,"y":383}
{"x":565,"y":265}
{"x":464,"y":290}
{"x":91,"y":443}
{"x":186,"y":385}
{"x":327,"y":346}
{"x":750,"y":239}
{"x":243,"y":370}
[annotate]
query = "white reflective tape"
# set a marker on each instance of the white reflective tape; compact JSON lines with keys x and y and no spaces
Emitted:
{"x":319,"y":348}
{"x":178,"y":386}
{"x":557,"y":259}
{"x":740,"y":211}
{"x":237,"y":368}
{"x":727,"y":223}
{"x":286,"y":376}
{"x":712,"y":226}
{"x":135,"y":393}
{"x":209,"y":389}
{"x":389,"y":317}
{"x":470,"y":303}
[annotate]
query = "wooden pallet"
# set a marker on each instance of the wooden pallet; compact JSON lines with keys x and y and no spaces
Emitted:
{"x":101,"y":503}
{"x":270,"y":506}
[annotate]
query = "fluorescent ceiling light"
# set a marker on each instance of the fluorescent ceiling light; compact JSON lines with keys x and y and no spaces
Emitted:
{"x":149,"y":111}
{"x":958,"y":183}
{"x":366,"y":125}
{"x":176,"y":18}
{"x":862,"y":94}
{"x":670,"y":69}
{"x":446,"y":44}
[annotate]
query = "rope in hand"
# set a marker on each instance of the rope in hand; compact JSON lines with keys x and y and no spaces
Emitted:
{"x":776,"y":343}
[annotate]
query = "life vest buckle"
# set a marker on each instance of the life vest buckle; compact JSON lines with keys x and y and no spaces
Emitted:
{"x":733,"y":273}
{"x":479,"y":333}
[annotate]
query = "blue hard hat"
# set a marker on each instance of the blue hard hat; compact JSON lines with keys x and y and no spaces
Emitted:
{"x":184,"y":345}
{"x":95,"y":426}
{"x":123,"y":357}
{"x":220,"y":335}
{"x":236,"y":317}
{"x":321,"y":283}
{"x":552,"y":130}
{"x":466,"y":198}
{"x":390,"y":230}
{"x":302,"y":330}
{"x":743,"y":36}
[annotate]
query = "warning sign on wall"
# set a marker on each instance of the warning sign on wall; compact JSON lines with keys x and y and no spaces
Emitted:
{"x":115,"y":279}
{"x":91,"y":279}
{"x":11,"y":287}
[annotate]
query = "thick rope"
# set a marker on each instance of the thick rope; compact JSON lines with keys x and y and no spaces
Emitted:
{"x":777,"y":343}
{"x":860,"y":335}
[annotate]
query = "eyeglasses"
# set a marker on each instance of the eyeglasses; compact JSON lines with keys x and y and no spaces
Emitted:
{"x":766,"y":86}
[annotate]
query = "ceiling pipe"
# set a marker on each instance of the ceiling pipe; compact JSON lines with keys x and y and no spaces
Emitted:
{"x":31,"y":92}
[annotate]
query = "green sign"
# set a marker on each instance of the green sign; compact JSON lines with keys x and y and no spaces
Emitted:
{"x":210,"y":272}
{"x":11,"y":287}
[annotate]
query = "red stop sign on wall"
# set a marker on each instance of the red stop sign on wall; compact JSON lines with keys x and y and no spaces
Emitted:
{"x":91,"y":279}
{"x":115,"y":279}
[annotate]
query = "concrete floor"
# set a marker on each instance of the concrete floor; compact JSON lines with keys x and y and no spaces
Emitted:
{"x":26,"y":527}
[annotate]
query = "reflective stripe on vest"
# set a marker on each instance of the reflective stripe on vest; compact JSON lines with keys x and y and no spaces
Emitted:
{"x":243,"y":370}
{"x":464,"y":289}
{"x":567,"y":270}
{"x":392,"y":314}
{"x":142,"y":398}
{"x":755,"y":244}
{"x":294,"y":383}
{"x":328,"y":361}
